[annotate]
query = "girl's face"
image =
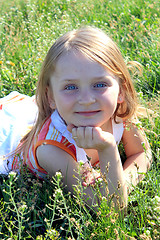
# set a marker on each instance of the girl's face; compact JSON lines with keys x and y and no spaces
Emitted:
{"x":83,"y":91}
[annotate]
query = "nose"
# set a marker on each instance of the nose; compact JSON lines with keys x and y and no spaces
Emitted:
{"x":86,"y":97}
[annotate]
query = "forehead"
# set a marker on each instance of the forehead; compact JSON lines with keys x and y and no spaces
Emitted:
{"x":73,"y":64}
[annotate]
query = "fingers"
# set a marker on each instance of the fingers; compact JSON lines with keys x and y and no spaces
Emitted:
{"x":92,"y":138}
{"x":82,"y":132}
{"x":83,"y":136}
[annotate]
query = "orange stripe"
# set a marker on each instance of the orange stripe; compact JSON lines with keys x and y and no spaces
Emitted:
{"x":9,"y":100}
{"x":54,"y":143}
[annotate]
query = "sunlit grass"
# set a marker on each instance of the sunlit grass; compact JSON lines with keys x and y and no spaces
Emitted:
{"x":35,"y":209}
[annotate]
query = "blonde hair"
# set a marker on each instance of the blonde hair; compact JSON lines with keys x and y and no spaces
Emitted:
{"x":96,"y":45}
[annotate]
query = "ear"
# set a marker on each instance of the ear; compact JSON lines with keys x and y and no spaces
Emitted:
{"x":121,"y":96}
{"x":50,"y":98}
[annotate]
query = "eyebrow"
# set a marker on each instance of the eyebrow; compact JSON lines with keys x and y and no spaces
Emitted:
{"x":95,"y":79}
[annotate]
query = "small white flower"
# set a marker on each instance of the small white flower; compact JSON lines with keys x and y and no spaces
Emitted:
{"x":156,"y":203}
{"x":81,"y":163}
{"x":156,"y":200}
{"x":103,"y":198}
{"x":58,"y":191}
{"x":12,"y":174}
{"x":147,"y":232}
{"x":157,"y":209}
{"x":58,"y":174}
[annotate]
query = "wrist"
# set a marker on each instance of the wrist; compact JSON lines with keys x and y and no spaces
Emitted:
{"x":110,"y":154}
{"x":108,"y":145}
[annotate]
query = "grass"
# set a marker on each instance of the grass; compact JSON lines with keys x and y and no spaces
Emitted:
{"x":35,"y":209}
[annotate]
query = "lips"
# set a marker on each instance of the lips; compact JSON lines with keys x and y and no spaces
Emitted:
{"x":88,"y":113}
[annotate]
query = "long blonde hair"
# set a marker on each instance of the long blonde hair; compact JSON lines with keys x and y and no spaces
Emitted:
{"x":96,"y":45}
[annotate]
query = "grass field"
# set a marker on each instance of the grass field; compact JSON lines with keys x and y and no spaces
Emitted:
{"x":35,"y":209}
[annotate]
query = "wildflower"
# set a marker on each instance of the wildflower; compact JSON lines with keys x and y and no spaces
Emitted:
{"x":107,"y":229}
{"x":147,"y":232}
{"x":113,"y":220}
{"x":12,"y":174}
{"x":23,"y":189}
{"x":87,"y":223}
{"x":39,"y":185}
{"x":112,"y":196}
{"x":156,"y":200}
{"x":99,"y":213}
{"x":39,"y":237}
{"x":53,"y":233}
{"x":99,"y":180}
{"x":73,"y":219}
{"x":116,"y":233}
{"x":10,"y":63}
{"x":107,"y":167}
{"x":92,"y":235}
{"x":103,"y":198}
{"x":58,"y":191}
{"x":22,"y":207}
{"x":1,"y":62}
{"x":81,"y":163}
{"x":157,"y":209}
{"x":107,"y":190}
{"x":145,"y":237}
{"x":39,"y":59}
{"x":136,"y":165}
{"x":119,"y":185}
{"x":155,"y":232}
{"x":58,"y":175}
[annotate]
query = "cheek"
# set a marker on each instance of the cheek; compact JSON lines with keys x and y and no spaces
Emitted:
{"x":64,"y":102}
{"x":114,"y":93}
{"x":111,"y":96}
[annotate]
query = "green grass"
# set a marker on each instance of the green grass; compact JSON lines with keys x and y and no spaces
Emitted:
{"x":34,"y":209}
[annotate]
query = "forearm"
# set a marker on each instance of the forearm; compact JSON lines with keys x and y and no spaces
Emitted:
{"x":136,"y":166}
{"x":114,"y":174}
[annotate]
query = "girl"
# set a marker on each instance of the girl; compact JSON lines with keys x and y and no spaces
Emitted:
{"x":86,"y":106}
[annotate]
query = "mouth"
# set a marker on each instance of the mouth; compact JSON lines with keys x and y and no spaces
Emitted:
{"x":88,"y":113}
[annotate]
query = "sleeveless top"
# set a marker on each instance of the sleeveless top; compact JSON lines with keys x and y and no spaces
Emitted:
{"x":54,"y":132}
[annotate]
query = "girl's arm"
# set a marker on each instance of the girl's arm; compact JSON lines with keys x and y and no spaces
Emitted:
{"x":138,"y":154}
{"x":53,"y":159}
{"x":110,"y":162}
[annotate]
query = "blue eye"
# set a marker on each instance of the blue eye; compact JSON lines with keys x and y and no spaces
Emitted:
{"x":100,"y":85}
{"x":70,"y":87}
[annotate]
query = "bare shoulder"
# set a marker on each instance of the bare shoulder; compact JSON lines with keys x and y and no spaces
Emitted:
{"x":134,"y":140}
{"x":53,"y":159}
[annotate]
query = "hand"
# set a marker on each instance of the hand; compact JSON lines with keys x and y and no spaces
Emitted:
{"x":91,"y":137}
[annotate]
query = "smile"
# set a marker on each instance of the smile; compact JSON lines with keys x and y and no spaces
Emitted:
{"x":88,"y":113}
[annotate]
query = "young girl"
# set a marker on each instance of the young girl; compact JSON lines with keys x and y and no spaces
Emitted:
{"x":86,"y":106}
